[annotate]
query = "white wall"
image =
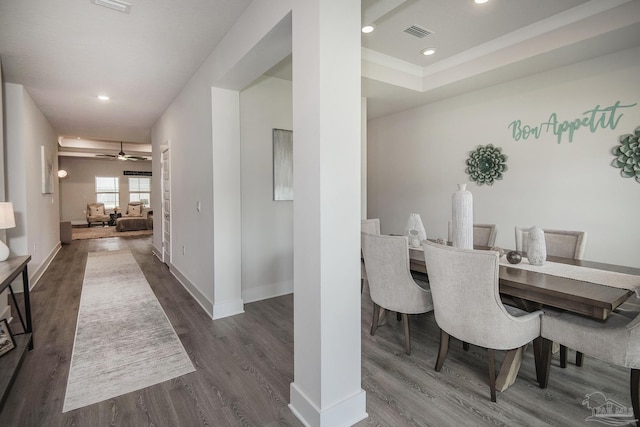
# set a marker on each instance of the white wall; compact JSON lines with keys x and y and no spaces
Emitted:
{"x":79,"y":187}
{"x":417,"y":157}
{"x":37,"y":230}
{"x":186,"y":126}
{"x":267,"y":225}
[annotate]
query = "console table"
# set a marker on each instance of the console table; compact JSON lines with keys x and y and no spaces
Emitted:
{"x":10,"y":363}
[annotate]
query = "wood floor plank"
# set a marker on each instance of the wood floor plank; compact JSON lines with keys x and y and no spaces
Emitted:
{"x":244,"y":366}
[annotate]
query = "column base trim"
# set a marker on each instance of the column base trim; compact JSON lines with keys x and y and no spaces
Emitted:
{"x":345,"y":413}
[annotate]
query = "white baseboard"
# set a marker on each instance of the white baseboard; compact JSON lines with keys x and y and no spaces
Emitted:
{"x":36,"y":275}
{"x":227,"y":308}
{"x":206,"y":305}
{"x":268,"y":291}
{"x":344,"y":413}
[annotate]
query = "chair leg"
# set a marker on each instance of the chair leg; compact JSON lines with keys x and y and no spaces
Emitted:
{"x":635,"y":394}
{"x":579,"y":358}
{"x":492,"y":374}
{"x":374,"y":321}
{"x":444,"y":348}
{"x":563,"y":356}
{"x":544,"y":364}
{"x":465,"y":346}
{"x":407,"y":338}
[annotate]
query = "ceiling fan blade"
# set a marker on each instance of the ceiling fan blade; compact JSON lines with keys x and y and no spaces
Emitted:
{"x":106,"y":155}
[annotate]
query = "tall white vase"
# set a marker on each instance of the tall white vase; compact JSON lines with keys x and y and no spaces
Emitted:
{"x":537,"y":249}
{"x":462,"y":218}
{"x":415,"y":231}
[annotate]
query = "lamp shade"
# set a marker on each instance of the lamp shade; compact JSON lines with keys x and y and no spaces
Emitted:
{"x":7,"y":219}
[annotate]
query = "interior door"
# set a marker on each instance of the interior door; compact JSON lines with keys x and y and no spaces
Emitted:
{"x":166,"y":208}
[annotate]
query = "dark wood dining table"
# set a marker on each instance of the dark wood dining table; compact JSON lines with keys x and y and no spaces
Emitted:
{"x":533,"y":290}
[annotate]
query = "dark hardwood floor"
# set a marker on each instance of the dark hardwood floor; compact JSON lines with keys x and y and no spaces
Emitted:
{"x":244,"y":365}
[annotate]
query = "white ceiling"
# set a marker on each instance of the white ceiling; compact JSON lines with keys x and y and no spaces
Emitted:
{"x":66,"y":52}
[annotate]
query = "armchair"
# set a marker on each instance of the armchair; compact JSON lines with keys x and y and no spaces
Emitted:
{"x":467,"y":306}
{"x":390,"y":282}
{"x":95,"y":213}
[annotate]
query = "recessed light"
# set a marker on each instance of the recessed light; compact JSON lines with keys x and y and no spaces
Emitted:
{"x":103,"y":97}
{"x":428,"y":51}
{"x":480,"y":1}
{"x":368,"y":28}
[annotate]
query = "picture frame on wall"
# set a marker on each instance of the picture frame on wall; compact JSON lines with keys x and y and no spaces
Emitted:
{"x":282,"y":164}
{"x":7,"y":343}
{"x":47,"y":169}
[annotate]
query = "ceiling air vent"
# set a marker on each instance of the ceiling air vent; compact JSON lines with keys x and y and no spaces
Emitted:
{"x":418,"y":31}
{"x":118,"y":5}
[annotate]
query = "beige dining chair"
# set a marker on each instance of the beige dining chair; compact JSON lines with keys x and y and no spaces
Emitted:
{"x":615,"y":341}
{"x":467,"y":306}
{"x":560,"y":243}
{"x":390,"y":283}
{"x":483,"y":234}
{"x":371,"y":226}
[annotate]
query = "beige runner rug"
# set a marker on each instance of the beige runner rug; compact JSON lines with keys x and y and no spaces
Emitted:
{"x":124,"y":341}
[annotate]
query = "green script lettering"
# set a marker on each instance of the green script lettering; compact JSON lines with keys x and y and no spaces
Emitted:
{"x":594,"y":119}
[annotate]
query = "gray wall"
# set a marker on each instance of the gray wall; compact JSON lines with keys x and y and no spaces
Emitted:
{"x":417,"y":157}
{"x":267,"y":225}
{"x":37,"y":231}
{"x":79,"y":187}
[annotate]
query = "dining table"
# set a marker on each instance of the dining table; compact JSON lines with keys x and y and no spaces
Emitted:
{"x":533,"y":289}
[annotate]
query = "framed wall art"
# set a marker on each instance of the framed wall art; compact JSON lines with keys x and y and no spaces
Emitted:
{"x":282,"y":164}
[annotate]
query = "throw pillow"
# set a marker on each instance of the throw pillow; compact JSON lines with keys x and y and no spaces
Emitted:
{"x":135,"y":210}
{"x":97,"y":210}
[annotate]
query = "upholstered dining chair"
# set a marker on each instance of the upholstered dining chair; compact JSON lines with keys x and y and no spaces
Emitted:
{"x":95,"y":213}
{"x":483,"y":234}
{"x":615,"y":341}
{"x":561,"y":243}
{"x":467,"y":305}
{"x":371,"y":226}
{"x":390,"y":283}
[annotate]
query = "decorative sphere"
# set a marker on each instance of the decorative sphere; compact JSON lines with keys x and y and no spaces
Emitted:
{"x":514,"y":257}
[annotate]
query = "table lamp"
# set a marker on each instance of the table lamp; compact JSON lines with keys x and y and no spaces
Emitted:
{"x":7,"y":220}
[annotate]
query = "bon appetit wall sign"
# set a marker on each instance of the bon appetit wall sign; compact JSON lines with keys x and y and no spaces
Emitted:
{"x":592,"y":120}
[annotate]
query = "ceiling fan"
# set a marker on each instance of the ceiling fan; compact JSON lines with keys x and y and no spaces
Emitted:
{"x":122,"y":156}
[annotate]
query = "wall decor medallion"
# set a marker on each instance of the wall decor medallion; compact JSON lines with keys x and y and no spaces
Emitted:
{"x":628,"y":155}
{"x":486,"y":164}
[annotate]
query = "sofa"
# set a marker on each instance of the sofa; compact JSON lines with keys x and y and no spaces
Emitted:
{"x":134,"y":218}
{"x":96,"y":214}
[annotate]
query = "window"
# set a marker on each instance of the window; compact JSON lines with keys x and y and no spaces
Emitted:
{"x":140,"y":191}
{"x":108,"y":191}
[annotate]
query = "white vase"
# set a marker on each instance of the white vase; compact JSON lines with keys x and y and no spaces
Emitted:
{"x":462,"y":218}
{"x":415,"y":231}
{"x":537,"y":249}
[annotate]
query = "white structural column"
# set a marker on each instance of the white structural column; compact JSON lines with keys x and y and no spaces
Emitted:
{"x":227,"y":214}
{"x":326,"y":132}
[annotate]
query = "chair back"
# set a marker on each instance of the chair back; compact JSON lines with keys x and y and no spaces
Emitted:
{"x":371,"y":226}
{"x":483,"y":234}
{"x":390,"y":283}
{"x":466,"y":298}
{"x":95,"y":209}
{"x":561,"y":243}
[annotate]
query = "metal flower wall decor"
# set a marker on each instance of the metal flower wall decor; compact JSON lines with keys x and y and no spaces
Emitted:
{"x":628,"y":155}
{"x":486,"y":164}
